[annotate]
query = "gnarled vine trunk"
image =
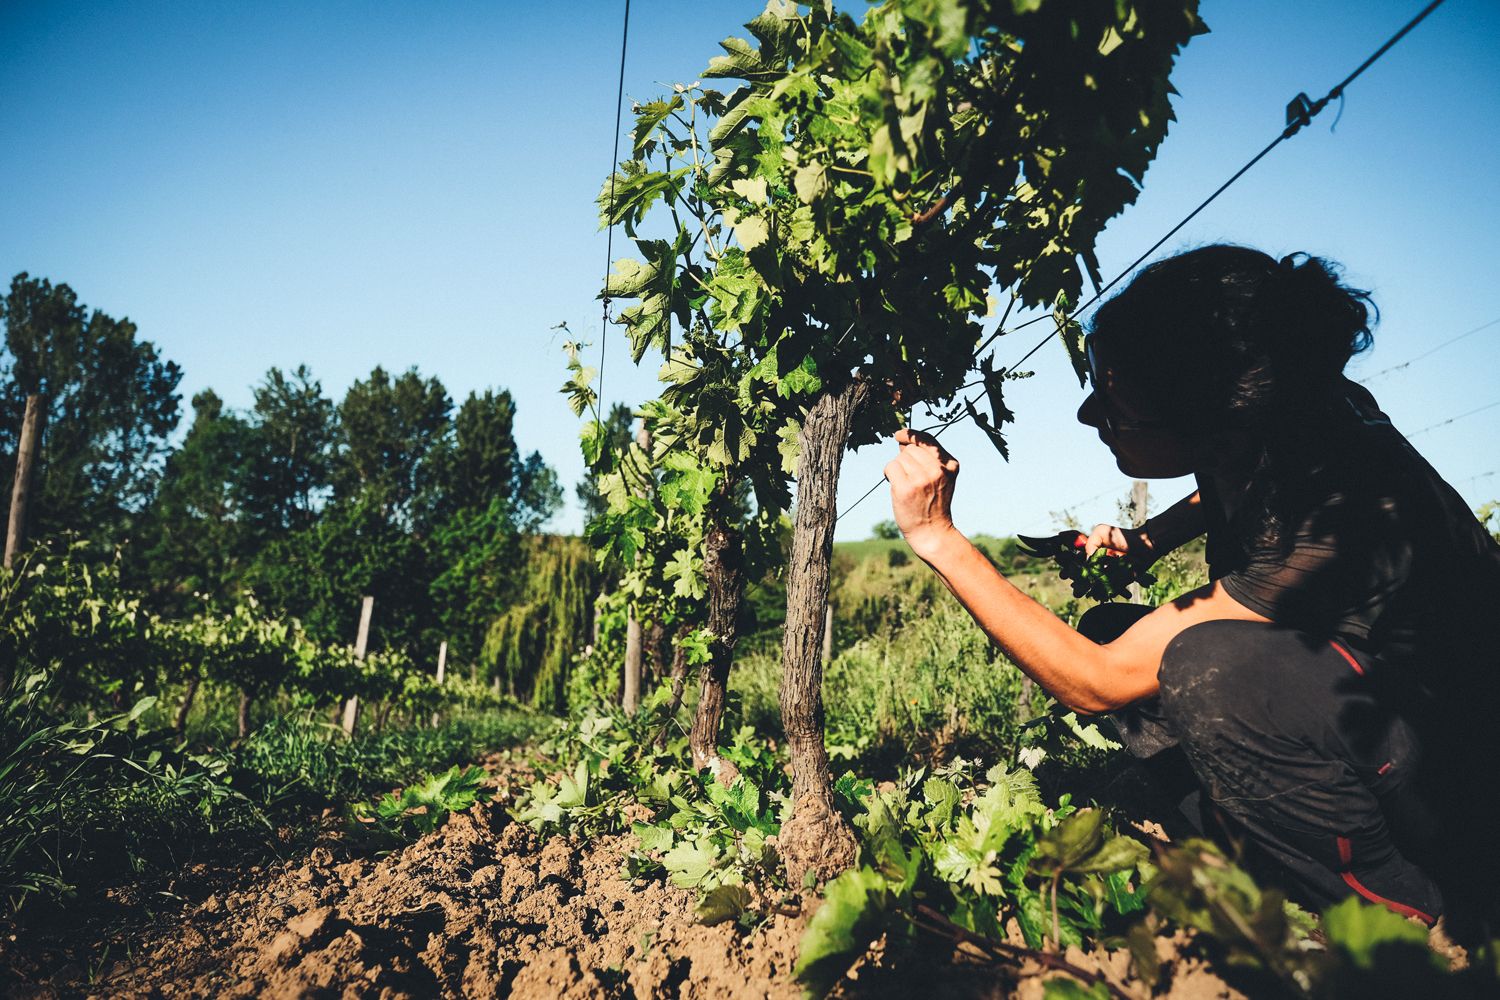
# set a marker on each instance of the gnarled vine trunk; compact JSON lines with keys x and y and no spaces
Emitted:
{"x":815,"y":838}
{"x":656,"y":655}
{"x":679,"y":683}
{"x":242,"y":717}
{"x":724,"y":572}
{"x":180,"y":723}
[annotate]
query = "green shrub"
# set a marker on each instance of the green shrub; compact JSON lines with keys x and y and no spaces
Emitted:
{"x":927,"y":682}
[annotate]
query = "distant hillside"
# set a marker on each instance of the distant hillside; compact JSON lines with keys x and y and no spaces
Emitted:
{"x":1003,"y":552}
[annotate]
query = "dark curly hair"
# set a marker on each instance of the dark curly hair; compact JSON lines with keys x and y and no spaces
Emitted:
{"x":1229,"y":340}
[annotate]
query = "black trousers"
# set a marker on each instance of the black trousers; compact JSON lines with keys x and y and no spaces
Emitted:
{"x":1291,"y":740}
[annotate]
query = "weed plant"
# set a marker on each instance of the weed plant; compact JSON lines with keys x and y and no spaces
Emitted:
{"x":91,"y":801}
{"x":296,"y":763}
{"x":91,"y":804}
{"x":399,"y":817}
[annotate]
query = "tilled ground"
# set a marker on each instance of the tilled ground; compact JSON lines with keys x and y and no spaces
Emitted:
{"x":468,"y":911}
{"x":483,"y":908}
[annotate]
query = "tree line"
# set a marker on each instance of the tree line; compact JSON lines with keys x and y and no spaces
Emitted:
{"x":306,"y":502}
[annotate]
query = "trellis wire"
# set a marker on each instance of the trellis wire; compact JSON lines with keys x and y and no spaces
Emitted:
{"x":1300,"y":111}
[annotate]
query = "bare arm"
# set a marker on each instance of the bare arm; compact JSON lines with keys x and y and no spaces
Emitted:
{"x":1079,"y":673}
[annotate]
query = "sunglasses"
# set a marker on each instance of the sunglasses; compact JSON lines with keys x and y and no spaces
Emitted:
{"x":1113,"y":422}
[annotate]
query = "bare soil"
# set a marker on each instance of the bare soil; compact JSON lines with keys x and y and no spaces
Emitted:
{"x":482,"y":908}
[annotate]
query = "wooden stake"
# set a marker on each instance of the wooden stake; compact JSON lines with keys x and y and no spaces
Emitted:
{"x":828,"y":637}
{"x":361,"y":644}
{"x":20,"y":494}
{"x":1138,"y":500}
{"x":442,"y":666}
{"x":630,"y":694}
{"x":724,"y":575}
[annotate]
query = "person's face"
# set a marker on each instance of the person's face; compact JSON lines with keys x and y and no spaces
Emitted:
{"x":1144,"y":446}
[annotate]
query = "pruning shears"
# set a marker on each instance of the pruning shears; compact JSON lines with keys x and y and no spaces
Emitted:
{"x":1104,"y":576}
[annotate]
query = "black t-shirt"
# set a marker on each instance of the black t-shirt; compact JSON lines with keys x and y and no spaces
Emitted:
{"x":1378,"y":552}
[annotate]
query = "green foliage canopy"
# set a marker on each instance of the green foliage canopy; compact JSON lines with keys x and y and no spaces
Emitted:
{"x":854,"y":202}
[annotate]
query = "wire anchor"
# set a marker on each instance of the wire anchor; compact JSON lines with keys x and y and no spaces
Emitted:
{"x":1300,"y":111}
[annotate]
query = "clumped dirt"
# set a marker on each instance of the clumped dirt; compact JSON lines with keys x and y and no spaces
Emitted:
{"x":480,"y":908}
{"x":484,"y":908}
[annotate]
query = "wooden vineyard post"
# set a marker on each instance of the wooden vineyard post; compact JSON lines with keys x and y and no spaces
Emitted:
{"x":442,"y":667}
{"x":594,"y":625}
{"x":653,"y":666}
{"x":630,"y":689}
{"x":828,"y":636}
{"x":242,"y":716}
{"x":1138,"y":500}
{"x":179,"y":724}
{"x":361,"y":643}
{"x":815,"y":839}
{"x":630,"y":694}
{"x":20,"y":493}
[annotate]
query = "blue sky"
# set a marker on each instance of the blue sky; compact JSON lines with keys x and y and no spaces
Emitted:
{"x":345,"y":185}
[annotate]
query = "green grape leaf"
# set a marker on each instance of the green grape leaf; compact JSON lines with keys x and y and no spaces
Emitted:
{"x":1071,"y":334}
{"x":802,"y":380}
{"x":1089,"y":733}
{"x":853,"y":908}
{"x":594,"y":439}
{"x":652,"y":838}
{"x":1117,"y":854}
{"x":690,"y":863}
{"x":943,"y":797}
{"x":1075,"y":838}
{"x":722,"y":903}
{"x":649,"y":117}
{"x":1361,"y":931}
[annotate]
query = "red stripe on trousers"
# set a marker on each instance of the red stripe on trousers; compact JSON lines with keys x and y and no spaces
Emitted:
{"x":1346,"y":856}
{"x":1349,"y":657}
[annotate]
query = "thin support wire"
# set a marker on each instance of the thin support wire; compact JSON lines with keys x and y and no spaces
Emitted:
{"x":1454,"y":420}
{"x":1300,"y":112}
{"x":1429,"y":352}
{"x":609,"y":239}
